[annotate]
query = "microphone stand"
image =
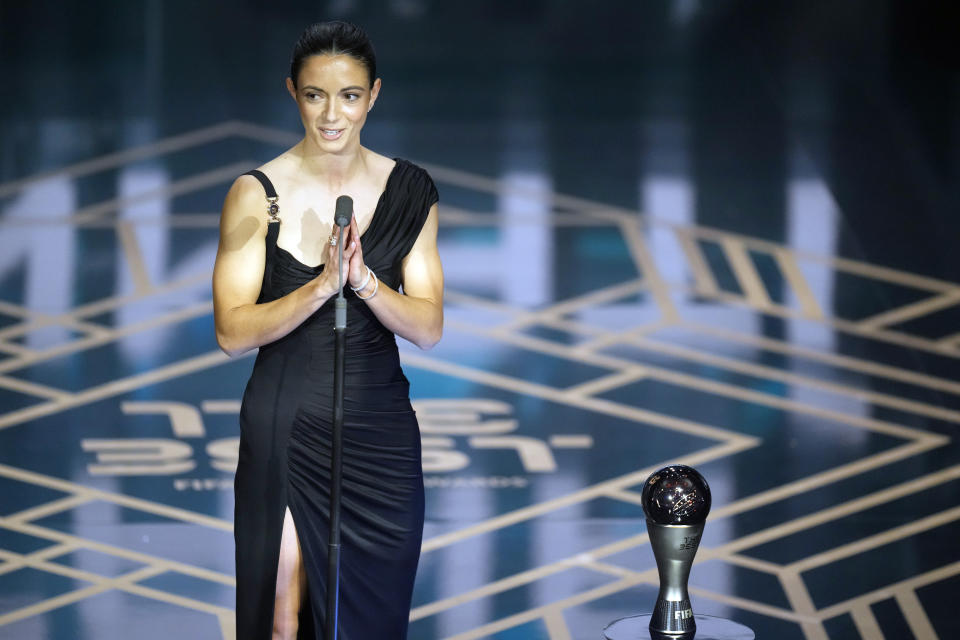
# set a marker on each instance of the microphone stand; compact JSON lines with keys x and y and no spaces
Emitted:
{"x":336,"y":457}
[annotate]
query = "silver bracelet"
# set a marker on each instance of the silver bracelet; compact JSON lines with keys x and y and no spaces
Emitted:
{"x":365,"y":281}
{"x":376,"y":287}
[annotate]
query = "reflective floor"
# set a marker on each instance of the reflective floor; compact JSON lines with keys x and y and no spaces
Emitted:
{"x":722,"y":234}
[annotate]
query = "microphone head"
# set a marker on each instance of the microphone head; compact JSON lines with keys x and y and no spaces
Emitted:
{"x":676,"y":494}
{"x":344,"y":211}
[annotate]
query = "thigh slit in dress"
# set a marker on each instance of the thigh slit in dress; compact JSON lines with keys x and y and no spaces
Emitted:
{"x":285,"y":434}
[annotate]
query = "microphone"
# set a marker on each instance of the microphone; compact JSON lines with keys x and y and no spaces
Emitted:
{"x":344,"y":211}
{"x":676,"y":500}
{"x":342,"y":214}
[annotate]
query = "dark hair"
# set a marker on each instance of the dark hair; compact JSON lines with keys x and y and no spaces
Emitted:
{"x":333,"y":38}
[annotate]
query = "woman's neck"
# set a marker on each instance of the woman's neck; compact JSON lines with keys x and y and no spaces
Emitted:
{"x":334,"y":169}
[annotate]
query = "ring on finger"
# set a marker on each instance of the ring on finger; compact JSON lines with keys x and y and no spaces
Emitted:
{"x":333,"y":241}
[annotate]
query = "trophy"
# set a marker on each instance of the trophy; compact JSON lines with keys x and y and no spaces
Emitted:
{"x":676,"y":501}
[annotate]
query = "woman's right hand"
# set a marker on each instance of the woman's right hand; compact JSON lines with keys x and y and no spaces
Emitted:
{"x":328,"y":282}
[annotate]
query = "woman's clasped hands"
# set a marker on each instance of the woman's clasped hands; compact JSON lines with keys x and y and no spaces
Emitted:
{"x":355,"y":270}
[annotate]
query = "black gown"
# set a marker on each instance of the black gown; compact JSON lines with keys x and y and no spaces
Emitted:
{"x":285,"y":430}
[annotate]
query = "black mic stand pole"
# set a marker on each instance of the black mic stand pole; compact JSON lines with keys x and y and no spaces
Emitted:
{"x":336,"y":446}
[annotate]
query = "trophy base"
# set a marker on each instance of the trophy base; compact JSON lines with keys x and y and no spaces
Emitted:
{"x":708,"y":628}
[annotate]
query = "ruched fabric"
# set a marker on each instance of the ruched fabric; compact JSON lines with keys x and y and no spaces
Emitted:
{"x":285,"y":434}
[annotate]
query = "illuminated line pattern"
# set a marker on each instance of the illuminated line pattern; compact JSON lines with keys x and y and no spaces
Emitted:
{"x":745,"y":290}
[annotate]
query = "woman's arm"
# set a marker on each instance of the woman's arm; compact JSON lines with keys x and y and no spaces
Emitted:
{"x":241,"y":323}
{"x":417,"y":313}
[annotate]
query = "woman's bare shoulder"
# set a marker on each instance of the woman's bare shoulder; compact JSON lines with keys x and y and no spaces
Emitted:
{"x":283,"y":166}
{"x":380,"y":165}
{"x":247,"y":193}
{"x":244,"y":212}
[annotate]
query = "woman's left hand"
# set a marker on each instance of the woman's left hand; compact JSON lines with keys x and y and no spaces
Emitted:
{"x":357,"y":271}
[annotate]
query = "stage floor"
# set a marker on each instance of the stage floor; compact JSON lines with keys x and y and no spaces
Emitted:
{"x":676,"y":305}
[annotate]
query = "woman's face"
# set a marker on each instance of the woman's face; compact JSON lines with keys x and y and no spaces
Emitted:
{"x":334,"y":96}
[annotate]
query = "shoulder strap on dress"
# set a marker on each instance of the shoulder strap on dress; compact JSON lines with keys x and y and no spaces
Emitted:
{"x":273,"y":230}
{"x":264,"y":180}
{"x":273,"y":209}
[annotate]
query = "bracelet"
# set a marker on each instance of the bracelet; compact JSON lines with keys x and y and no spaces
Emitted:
{"x":365,"y":281}
{"x":376,"y":287}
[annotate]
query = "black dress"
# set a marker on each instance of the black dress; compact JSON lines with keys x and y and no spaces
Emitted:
{"x":285,"y":429}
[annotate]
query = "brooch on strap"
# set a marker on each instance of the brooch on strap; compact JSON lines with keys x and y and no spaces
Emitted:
{"x":273,"y":208}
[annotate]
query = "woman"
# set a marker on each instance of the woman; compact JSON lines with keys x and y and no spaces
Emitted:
{"x":273,"y":286}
